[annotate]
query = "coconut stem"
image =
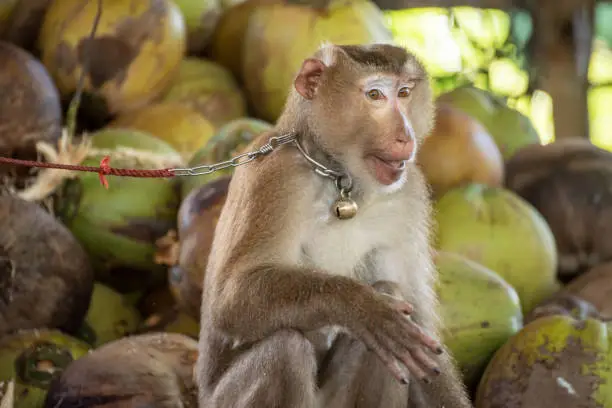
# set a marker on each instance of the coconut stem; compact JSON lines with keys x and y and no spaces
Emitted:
{"x":71,"y":115}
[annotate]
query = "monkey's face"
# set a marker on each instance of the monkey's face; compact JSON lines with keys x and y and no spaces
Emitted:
{"x":388,"y":141}
{"x":371,"y":107}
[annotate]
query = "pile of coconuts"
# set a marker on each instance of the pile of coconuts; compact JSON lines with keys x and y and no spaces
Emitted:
{"x":100,"y":287}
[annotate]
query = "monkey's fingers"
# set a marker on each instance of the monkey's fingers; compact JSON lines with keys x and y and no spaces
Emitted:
{"x":425,"y":361}
{"x":413,"y":367}
{"x":418,"y":334}
{"x":386,"y":357}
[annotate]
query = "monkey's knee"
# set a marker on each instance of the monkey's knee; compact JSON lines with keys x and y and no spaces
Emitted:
{"x":277,"y":372}
{"x":354,"y":377}
{"x":389,"y":288}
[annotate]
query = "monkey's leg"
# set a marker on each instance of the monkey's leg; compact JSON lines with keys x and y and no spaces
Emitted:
{"x":353,"y":376}
{"x":277,"y":372}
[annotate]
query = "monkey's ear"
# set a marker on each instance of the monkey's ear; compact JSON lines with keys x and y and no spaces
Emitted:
{"x":309,"y":77}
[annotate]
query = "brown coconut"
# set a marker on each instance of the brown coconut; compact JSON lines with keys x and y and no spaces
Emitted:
{"x":197,"y":220}
{"x":459,"y":150}
{"x":594,"y":286}
{"x":30,"y":107}
{"x":568,"y":182}
{"x":148,"y":370}
{"x":46,"y":279}
{"x":22,"y":20}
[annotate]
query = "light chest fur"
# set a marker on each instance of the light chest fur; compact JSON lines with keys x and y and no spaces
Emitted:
{"x":346,"y":247}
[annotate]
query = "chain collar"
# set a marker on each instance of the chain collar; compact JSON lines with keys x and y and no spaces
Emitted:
{"x":344,"y":183}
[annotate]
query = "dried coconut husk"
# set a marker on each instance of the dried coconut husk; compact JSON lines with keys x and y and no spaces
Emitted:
{"x":147,"y":370}
{"x":46,"y":279}
{"x":570,"y":183}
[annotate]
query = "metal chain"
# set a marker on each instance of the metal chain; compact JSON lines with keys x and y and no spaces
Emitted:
{"x":267,"y":148}
{"x":239,"y":160}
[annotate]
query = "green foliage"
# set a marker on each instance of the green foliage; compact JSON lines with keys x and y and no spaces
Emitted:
{"x":486,"y":48}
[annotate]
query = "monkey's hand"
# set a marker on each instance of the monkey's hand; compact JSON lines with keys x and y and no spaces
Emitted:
{"x":387,"y":329}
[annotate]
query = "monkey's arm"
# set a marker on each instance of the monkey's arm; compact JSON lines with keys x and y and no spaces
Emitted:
{"x":257,"y":301}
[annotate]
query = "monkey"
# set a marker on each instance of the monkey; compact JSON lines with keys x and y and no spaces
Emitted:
{"x":308,"y":302}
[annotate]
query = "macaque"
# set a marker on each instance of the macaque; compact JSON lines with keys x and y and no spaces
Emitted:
{"x":319,"y":290}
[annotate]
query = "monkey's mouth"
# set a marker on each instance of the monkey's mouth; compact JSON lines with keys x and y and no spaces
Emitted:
{"x":386,"y":171}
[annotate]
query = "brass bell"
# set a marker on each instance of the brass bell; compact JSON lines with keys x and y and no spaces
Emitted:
{"x":345,"y":208}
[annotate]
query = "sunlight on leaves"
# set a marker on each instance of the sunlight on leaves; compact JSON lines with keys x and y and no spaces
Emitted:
{"x":486,"y":48}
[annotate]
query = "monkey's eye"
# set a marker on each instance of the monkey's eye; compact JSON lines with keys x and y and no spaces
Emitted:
{"x":374,"y":94}
{"x":403,"y":92}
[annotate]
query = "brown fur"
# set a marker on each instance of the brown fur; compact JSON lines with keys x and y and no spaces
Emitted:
{"x":292,"y":315}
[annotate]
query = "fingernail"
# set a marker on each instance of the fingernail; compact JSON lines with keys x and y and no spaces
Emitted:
{"x":404,"y":380}
{"x":426,"y":380}
{"x":437,"y":371}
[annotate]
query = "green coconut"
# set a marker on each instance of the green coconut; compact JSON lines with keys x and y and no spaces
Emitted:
{"x":147,"y":370}
{"x":32,"y":358}
{"x":556,"y":360}
{"x":230,"y":140}
{"x":201,"y":17}
{"x":177,"y":124}
{"x":109,"y":317}
{"x":208,"y":88}
{"x":479,"y":310}
{"x":119,"y":226}
{"x":279,"y":37}
{"x":510,"y":129}
{"x":134,"y":56}
{"x":228,"y":38}
{"x":498,"y":229}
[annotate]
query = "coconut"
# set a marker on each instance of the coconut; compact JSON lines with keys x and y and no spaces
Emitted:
{"x":510,"y":129}
{"x":172,"y":321}
{"x":594,"y":286}
{"x":555,"y":360}
{"x":459,"y":150}
{"x":32,"y":358}
{"x":228,"y":38}
{"x":158,"y":300}
{"x":119,"y":226}
{"x":280,"y":36}
{"x":178,"y":125}
{"x":567,"y":182}
{"x":30,"y":107}
{"x":197,"y":220}
{"x":228,"y":142}
{"x":153,"y":370}
{"x":109,"y":317}
{"x":20,"y":21}
{"x":201,"y":17}
{"x":134,"y":56}
{"x":46,"y":279}
{"x":497,"y":229}
{"x":564,"y":303}
{"x":479,"y":312}
{"x":209,"y":89}
{"x":6,"y":9}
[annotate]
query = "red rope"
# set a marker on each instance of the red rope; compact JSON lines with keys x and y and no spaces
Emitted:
{"x":103,"y":170}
